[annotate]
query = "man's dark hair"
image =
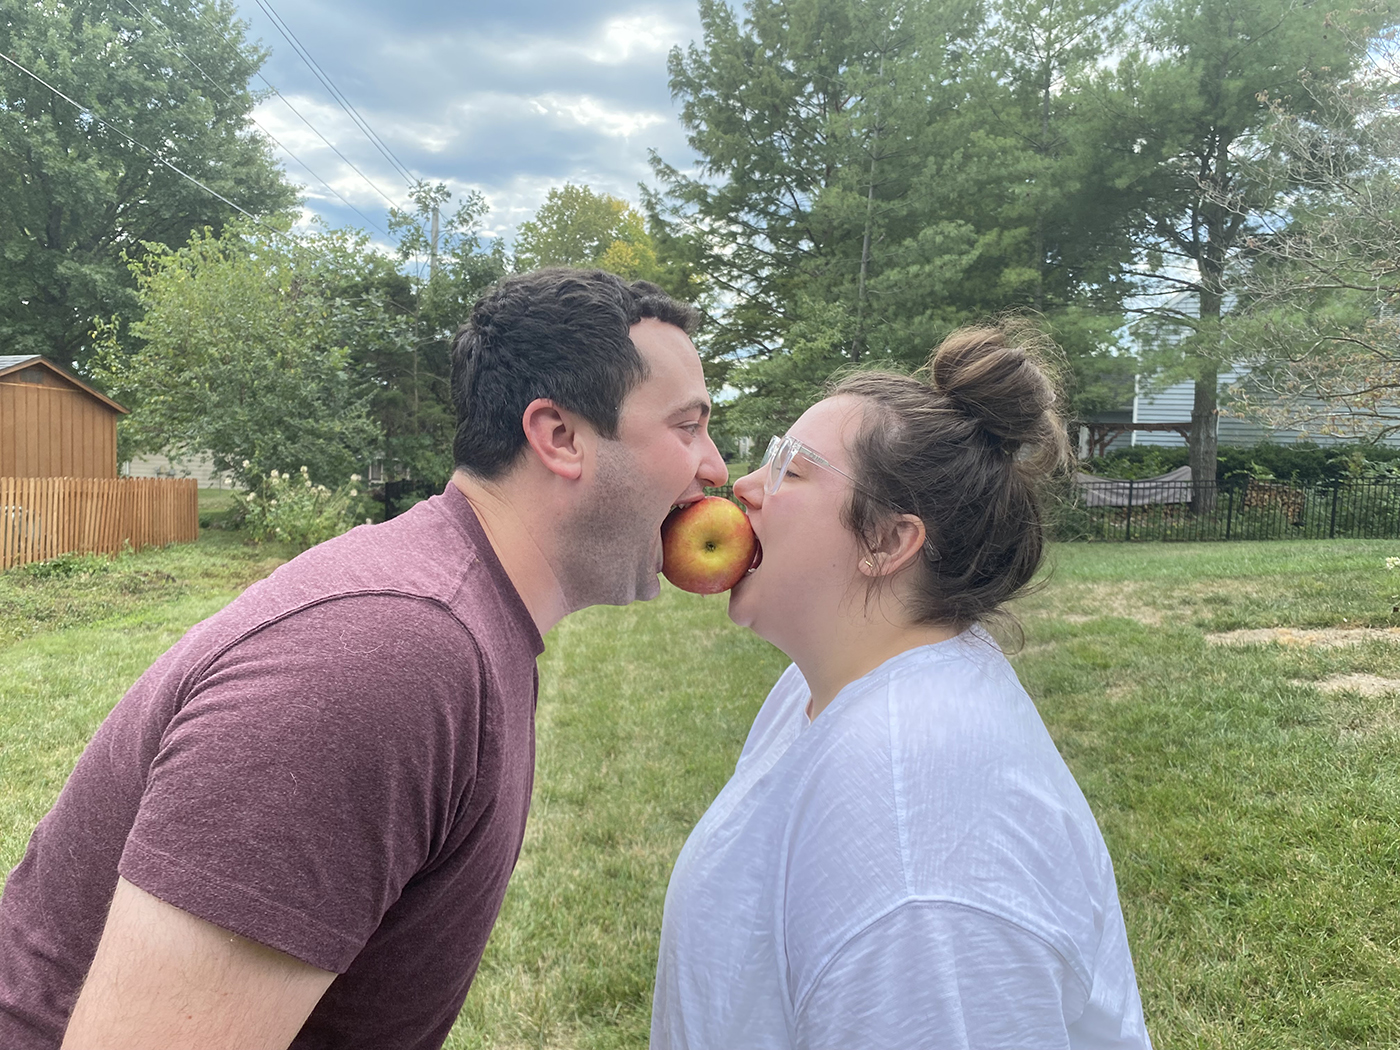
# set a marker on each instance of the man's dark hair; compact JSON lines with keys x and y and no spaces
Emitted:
{"x":557,"y":333}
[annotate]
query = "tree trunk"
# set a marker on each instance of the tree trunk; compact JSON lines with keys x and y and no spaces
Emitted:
{"x":1047,"y":82}
{"x":858,"y":341}
{"x":1205,"y":408}
{"x":1203,"y":441}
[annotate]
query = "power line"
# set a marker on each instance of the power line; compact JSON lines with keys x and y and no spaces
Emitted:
{"x":227,"y":94}
{"x":339,"y":95}
{"x":315,"y":130}
{"x":336,"y":93}
{"x":287,"y":102}
{"x":179,"y":171}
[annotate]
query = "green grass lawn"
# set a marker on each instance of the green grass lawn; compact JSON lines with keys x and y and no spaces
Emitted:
{"x":1254,"y":820}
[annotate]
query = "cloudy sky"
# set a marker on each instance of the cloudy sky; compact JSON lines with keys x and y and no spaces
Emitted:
{"x":506,"y":98}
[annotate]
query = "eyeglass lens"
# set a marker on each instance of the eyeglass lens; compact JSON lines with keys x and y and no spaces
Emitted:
{"x":778,"y":458}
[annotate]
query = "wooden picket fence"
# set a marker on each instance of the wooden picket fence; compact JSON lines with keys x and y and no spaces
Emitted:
{"x":41,"y":518}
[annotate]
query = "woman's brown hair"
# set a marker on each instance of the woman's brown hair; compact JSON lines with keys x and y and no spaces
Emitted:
{"x":967,"y":446}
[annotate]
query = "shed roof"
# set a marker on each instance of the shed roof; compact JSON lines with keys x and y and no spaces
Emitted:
{"x":14,"y":362}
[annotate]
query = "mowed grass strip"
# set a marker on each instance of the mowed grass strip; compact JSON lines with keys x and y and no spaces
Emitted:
{"x":1254,"y":820}
{"x":75,"y":634}
{"x":643,"y":711}
{"x":1251,"y":816}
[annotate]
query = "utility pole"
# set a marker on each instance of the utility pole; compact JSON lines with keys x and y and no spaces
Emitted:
{"x":432,"y":259}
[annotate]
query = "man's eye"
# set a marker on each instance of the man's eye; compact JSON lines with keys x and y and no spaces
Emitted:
{"x":691,"y":428}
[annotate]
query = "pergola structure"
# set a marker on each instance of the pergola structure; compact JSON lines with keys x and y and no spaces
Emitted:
{"x":1101,"y":435}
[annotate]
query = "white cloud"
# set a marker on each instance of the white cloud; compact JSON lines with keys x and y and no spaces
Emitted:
{"x":641,"y":34}
{"x":529,"y":99}
{"x":589,"y":112}
{"x":618,"y":41}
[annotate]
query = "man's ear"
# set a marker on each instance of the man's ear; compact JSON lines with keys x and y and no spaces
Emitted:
{"x":900,"y":543}
{"x":557,"y":436}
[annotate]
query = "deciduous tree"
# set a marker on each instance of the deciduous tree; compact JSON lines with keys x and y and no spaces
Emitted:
{"x":1318,"y":317}
{"x":577,"y":226}
{"x":1192,"y":100}
{"x":239,"y":351}
{"x":76,"y":194}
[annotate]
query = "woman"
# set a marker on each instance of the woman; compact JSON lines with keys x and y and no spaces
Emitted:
{"x":902,"y":858}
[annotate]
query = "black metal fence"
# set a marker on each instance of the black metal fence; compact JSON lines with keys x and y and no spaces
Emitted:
{"x":1248,"y":509}
{"x":1245,"y":510}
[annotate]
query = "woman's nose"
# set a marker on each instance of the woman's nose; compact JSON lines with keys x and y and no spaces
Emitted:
{"x":748,"y":490}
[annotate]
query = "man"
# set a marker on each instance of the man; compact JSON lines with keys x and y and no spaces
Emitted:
{"x":297,"y":827}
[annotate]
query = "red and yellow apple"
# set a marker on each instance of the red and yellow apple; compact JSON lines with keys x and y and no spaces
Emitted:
{"x":707,"y":546}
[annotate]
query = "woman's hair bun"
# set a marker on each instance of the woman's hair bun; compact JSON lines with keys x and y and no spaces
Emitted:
{"x":939,"y":444}
{"x":1002,"y":378}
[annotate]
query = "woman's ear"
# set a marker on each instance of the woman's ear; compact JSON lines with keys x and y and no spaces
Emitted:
{"x":556,"y":437}
{"x":898,"y":543}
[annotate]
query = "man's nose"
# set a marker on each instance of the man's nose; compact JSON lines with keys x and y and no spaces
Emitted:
{"x":712,"y":471}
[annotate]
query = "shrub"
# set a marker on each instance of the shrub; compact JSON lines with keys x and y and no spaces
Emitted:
{"x":1139,"y":461}
{"x":73,"y":563}
{"x":290,"y":508}
{"x":1300,"y":462}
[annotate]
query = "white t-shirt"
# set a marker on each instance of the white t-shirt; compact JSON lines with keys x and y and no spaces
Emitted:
{"x":914,"y":868}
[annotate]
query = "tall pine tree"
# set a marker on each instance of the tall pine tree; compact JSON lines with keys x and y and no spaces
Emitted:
{"x":875,"y":173}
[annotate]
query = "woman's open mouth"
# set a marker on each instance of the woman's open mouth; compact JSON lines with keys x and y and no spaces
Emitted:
{"x":757,"y":557}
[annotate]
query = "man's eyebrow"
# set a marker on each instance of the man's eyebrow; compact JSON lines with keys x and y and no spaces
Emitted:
{"x":700,"y":404}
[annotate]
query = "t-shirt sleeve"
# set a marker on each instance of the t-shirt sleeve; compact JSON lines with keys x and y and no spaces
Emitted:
{"x":941,"y":976}
{"x":312,"y":771}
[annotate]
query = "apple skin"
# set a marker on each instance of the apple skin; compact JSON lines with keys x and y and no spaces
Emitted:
{"x":707,"y":546}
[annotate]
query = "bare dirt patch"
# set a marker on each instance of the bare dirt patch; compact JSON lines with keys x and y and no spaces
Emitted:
{"x":1127,"y":602}
{"x":1366,"y":705}
{"x":1085,"y":603}
{"x":1367,"y":685}
{"x":1304,"y":638}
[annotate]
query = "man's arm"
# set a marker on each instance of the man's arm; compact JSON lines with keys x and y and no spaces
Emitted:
{"x":163,"y":978}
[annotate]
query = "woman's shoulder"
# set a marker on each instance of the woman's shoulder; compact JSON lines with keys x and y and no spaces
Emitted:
{"x":930,"y":699}
{"x":781,"y":714}
{"x":939,"y":781}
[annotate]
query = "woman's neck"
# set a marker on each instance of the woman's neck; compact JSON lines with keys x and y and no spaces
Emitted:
{"x":854,"y":652}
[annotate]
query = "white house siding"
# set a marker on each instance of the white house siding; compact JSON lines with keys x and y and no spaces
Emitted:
{"x":1173,"y":405}
{"x":200,"y":468}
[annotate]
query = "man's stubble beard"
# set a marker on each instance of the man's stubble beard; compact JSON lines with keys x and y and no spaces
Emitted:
{"x":607,"y":543}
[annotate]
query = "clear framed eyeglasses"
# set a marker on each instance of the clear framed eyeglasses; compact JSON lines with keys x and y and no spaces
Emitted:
{"x":780,"y":454}
{"x":782,"y":451}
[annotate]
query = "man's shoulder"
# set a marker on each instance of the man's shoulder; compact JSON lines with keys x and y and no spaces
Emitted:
{"x":428,"y":552}
{"x":432,"y":562}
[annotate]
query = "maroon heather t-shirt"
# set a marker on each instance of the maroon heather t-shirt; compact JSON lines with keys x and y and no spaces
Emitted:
{"x":337,"y":765}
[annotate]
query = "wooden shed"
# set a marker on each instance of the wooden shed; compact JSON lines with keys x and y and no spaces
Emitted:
{"x":52,"y":424}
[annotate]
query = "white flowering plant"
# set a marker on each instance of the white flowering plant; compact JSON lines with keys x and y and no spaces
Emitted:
{"x":1391,"y":564}
{"x":289,"y":507}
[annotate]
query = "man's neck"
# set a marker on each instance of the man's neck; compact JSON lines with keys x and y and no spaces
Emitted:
{"x":519,"y":547}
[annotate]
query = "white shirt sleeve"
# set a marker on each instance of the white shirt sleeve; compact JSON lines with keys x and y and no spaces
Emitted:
{"x":937,"y":975}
